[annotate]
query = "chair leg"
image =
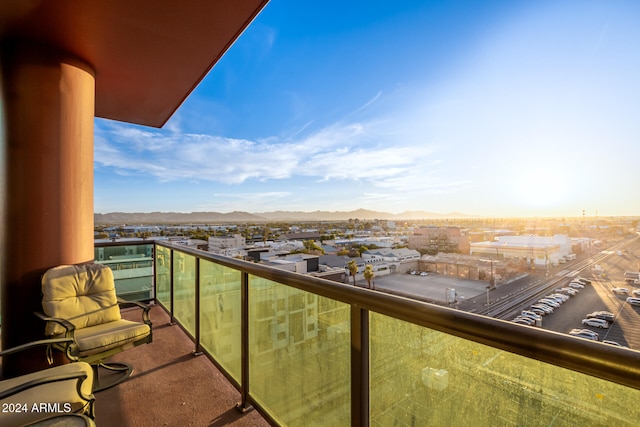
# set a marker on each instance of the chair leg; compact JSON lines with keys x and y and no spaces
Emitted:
{"x":125,"y":369}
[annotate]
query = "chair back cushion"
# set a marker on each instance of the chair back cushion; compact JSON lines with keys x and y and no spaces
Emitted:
{"x":85,"y":295}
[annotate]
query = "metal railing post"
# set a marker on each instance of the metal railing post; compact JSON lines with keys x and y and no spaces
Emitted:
{"x":244,"y":404}
{"x":359,"y":366}
{"x":172,"y":320}
{"x":198,"y":349}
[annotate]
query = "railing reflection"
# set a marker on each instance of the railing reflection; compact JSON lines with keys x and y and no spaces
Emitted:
{"x":132,"y":265}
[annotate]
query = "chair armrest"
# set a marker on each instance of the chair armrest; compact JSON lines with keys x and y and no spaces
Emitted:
{"x":67,"y":344}
{"x":35,"y":344}
{"x":80,"y":376}
{"x":62,"y":322}
{"x":145,"y":308}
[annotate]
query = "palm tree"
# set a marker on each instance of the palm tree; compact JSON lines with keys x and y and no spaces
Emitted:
{"x":368,"y":274}
{"x":353,"y":270}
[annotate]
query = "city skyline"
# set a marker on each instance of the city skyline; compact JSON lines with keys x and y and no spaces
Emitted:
{"x":489,"y":109}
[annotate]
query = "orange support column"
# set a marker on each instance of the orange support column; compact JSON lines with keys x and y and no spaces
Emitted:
{"x":48,"y":103}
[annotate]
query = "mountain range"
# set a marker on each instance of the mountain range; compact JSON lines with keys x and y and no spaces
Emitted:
{"x":275,"y":216}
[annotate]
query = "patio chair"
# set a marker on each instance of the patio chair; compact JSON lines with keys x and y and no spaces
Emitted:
{"x":80,"y":302}
{"x":59,"y":393}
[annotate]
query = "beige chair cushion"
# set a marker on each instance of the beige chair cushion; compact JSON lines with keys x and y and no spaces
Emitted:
{"x":61,"y":393}
{"x":85,"y":295}
{"x":99,"y":338}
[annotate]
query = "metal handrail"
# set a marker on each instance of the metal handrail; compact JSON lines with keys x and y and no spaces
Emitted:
{"x":618,"y":365}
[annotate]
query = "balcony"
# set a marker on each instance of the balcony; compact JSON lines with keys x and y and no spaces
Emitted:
{"x":305,"y":351}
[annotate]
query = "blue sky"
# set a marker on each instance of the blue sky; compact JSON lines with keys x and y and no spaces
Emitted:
{"x":490,"y":108}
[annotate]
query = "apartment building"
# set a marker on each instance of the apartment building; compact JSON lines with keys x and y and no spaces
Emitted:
{"x":432,"y":240}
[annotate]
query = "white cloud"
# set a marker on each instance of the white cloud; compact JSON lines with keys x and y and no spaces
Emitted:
{"x":344,"y":151}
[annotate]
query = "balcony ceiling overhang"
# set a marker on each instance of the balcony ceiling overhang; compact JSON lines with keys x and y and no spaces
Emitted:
{"x":148,"y":55}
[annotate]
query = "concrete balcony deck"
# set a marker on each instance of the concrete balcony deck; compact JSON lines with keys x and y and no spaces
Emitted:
{"x":170,"y":386}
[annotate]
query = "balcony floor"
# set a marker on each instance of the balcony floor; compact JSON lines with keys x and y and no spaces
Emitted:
{"x":170,"y":386}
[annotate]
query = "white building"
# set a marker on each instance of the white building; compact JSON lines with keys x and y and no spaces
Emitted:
{"x":537,"y":250}
{"x":219,"y":243}
{"x":394,"y":255}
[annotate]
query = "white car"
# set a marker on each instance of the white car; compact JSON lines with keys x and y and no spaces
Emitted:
{"x":585,"y":333}
{"x":553,"y":303}
{"x":604,"y":315}
{"x":538,"y":311}
{"x":524,"y":321}
{"x":543,"y":307}
{"x":620,"y":291}
{"x":635,"y":292}
{"x":613,"y":343}
{"x":558,"y":297}
{"x":576,"y":285}
{"x":633,"y":301}
{"x":598,"y":323}
{"x":531,"y":314}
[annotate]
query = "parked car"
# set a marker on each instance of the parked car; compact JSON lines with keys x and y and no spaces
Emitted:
{"x":585,"y":333}
{"x":543,"y":307}
{"x":538,"y":311}
{"x":633,"y":301}
{"x":620,"y":291}
{"x":547,"y":306}
{"x":558,"y":297}
{"x":576,"y":285}
{"x":553,"y":303}
{"x":583,"y":280}
{"x":524,"y":321}
{"x":598,"y":323}
{"x":604,"y":315}
{"x":533,"y":315}
{"x":613,"y":343}
{"x":635,"y":292}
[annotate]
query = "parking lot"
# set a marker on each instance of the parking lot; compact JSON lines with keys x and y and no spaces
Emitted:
{"x":432,"y":287}
{"x":599,"y":297}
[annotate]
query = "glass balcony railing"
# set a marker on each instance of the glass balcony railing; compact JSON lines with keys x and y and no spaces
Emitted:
{"x":305,"y":351}
{"x":132,"y":265}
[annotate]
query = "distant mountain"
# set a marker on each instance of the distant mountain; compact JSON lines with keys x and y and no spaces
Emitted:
{"x":174,"y":218}
{"x":361,"y":214}
{"x":284,"y":216}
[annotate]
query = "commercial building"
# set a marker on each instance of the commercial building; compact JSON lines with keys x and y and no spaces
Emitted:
{"x":538,"y":251}
{"x":439,"y":239}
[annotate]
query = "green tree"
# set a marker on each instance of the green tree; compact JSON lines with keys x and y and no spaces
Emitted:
{"x":353,"y":270}
{"x":368,"y":274}
{"x":312,"y":248}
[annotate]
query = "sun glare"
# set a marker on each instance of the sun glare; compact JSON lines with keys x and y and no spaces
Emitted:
{"x":541,"y":188}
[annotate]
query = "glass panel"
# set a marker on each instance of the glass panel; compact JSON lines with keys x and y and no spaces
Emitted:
{"x":184,"y":290}
{"x":163,"y":276}
{"x":300,"y":360}
{"x":424,"y":377}
{"x":220,"y":315}
{"x":132,"y":267}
